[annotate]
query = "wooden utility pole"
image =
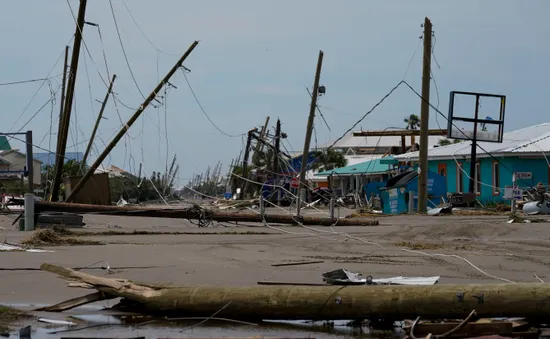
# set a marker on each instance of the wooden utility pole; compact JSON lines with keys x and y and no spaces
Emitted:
{"x":277,"y":147}
{"x":260,"y":146}
{"x":99,"y":116}
{"x":129,"y":124}
{"x":440,"y":301}
{"x":309,"y":129}
{"x":424,"y":118}
{"x":245,"y":160}
{"x":276,"y":159}
{"x":71,"y":83}
{"x":62,"y":101}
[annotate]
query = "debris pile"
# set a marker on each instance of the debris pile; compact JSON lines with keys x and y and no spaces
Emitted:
{"x":56,"y":236}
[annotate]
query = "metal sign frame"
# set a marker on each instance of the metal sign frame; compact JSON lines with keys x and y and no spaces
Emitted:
{"x":476,"y":120}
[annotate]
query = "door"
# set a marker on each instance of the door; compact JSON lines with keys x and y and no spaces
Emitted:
{"x":442,"y":169}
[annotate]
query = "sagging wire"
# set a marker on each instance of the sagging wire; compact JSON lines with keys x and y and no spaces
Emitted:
{"x":204,"y":112}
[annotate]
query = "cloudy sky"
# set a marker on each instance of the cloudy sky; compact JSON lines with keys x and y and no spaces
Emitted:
{"x":256,"y":59}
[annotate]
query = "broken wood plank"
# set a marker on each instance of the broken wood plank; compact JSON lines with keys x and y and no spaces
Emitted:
{"x":198,"y":214}
{"x":296,"y":263}
{"x":323,"y":302}
{"x":503,"y":328}
{"x":76,"y":302}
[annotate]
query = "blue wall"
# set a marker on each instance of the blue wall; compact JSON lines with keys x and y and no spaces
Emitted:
{"x":538,"y":167}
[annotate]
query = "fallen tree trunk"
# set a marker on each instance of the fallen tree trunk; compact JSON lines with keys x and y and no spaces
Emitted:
{"x":198,"y":214}
{"x":325,"y":302}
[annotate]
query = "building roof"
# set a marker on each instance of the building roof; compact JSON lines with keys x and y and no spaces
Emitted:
{"x":528,"y":140}
{"x":4,"y":161}
{"x":349,"y":141}
{"x":49,"y":157}
{"x":6,"y":152}
{"x":4,"y":143}
{"x":375,"y":166}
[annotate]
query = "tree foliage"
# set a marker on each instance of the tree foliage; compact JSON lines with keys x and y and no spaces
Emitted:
{"x":329,"y":160}
{"x":413,"y":122}
{"x":134,"y":189}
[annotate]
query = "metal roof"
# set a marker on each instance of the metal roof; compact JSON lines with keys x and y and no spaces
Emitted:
{"x":349,"y":141}
{"x":528,"y":140}
{"x":368,"y":167}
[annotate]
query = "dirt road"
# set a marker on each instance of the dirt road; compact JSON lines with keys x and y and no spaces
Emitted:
{"x":229,"y":255}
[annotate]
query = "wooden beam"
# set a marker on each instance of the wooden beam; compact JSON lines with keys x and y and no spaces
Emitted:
{"x":404,"y":132}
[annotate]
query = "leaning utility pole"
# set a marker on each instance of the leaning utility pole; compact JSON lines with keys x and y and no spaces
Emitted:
{"x":62,"y":101}
{"x":245,"y":160}
{"x":275,"y":168}
{"x":424,"y":118}
{"x":309,"y":129}
{"x":64,"y":132}
{"x":99,"y":116}
{"x":277,"y":147}
{"x":129,"y":124}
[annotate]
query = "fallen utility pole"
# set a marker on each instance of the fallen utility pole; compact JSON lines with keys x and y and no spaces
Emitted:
{"x":197,"y":214}
{"x":424,"y":118}
{"x":260,"y":302}
{"x":68,"y":105}
{"x":309,"y":129}
{"x":129,"y":124}
{"x":98,"y":120}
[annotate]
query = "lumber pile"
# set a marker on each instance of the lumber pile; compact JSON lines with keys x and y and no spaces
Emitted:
{"x":321,"y":302}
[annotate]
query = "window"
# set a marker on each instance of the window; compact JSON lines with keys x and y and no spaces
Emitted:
{"x":459,"y":178}
{"x":496,"y":178}
{"x":478,"y":178}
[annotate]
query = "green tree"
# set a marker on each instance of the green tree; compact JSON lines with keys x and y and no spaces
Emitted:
{"x":329,"y":160}
{"x":413,"y":122}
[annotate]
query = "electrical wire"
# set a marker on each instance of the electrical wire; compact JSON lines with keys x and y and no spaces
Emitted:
{"x":28,"y":81}
{"x":143,"y":33}
{"x":204,"y":112}
{"x":123,"y":49}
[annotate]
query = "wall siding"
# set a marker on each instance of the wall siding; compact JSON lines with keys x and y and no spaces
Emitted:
{"x":537,"y":166}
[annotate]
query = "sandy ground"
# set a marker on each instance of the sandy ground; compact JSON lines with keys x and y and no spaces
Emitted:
{"x":230,"y":255}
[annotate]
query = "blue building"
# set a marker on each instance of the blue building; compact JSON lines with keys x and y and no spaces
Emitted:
{"x":524,"y":150}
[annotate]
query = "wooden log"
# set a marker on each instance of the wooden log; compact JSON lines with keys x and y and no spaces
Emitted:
{"x":327,"y":302}
{"x":194,"y":213}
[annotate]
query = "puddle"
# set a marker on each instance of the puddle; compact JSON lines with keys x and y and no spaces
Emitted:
{"x":97,"y":322}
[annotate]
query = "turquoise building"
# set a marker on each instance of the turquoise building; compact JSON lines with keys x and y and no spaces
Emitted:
{"x":524,"y":152}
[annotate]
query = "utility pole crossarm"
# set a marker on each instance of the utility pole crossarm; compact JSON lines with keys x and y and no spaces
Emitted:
{"x":130,"y":122}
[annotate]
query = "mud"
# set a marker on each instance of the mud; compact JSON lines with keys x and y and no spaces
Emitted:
{"x":176,"y":251}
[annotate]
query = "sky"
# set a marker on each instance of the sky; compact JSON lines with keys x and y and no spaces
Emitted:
{"x":256,"y":59}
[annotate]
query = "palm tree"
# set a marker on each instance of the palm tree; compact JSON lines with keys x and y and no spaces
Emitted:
{"x":329,"y":160}
{"x":444,"y":142}
{"x":413,"y":122}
